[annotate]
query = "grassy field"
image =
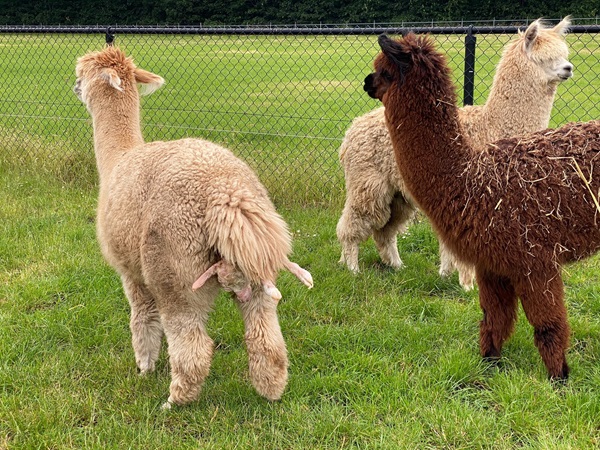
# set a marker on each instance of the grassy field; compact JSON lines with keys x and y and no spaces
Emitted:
{"x":379,"y":360}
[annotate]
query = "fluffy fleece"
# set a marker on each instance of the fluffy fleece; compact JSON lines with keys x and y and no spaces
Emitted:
{"x":168,"y":211}
{"x":520,"y":101}
{"x":517,"y":210}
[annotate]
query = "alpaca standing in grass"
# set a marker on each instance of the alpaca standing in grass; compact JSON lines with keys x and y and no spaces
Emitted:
{"x":520,"y":101}
{"x":167,"y":212}
{"x":517,"y":210}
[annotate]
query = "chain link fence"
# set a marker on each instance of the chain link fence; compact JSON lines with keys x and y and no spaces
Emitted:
{"x":280,"y":97}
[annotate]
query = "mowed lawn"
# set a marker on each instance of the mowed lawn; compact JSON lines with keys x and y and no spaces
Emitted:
{"x":382,"y":359}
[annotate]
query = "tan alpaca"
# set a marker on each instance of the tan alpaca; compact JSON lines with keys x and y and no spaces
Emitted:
{"x":520,"y":100}
{"x":168,"y":211}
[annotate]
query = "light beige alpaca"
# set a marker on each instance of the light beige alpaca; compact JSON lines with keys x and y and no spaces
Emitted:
{"x":520,"y":101}
{"x":168,"y":211}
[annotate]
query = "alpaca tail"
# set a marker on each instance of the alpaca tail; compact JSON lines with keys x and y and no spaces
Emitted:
{"x":248,"y":232}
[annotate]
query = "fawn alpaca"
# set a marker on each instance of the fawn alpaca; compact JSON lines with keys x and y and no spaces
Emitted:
{"x":167,"y":212}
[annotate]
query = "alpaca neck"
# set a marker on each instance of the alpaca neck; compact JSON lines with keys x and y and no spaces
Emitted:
{"x":116,"y":131}
{"x":430,"y":150}
{"x":520,"y":88}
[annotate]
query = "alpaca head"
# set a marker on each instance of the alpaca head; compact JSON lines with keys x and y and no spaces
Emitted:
{"x":408,"y":65}
{"x":545,"y":50}
{"x":109,"y":74}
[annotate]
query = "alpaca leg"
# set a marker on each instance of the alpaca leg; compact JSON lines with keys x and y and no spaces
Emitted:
{"x":543,"y":303}
{"x":267,"y":355}
{"x":401,"y":212}
{"x":447,"y":259}
{"x":146,"y":328}
{"x":466,"y":274}
{"x":498,"y":302}
{"x":352,"y":229}
{"x":190,"y":354}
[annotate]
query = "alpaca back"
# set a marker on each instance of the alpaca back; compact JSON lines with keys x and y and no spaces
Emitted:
{"x":201,"y":201}
{"x":366,"y":152}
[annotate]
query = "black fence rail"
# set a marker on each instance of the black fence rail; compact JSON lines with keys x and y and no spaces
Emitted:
{"x":281,"y":97}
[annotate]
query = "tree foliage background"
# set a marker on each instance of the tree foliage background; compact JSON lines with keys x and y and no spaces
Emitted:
{"x":239,"y":12}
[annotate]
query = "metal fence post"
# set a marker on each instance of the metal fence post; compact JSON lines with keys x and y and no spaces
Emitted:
{"x":469,"y":82}
{"x":110,"y":38}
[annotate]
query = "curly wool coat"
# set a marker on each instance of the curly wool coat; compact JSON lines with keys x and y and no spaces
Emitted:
{"x":517,"y":210}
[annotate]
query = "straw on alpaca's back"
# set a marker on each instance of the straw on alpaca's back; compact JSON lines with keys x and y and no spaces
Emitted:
{"x":520,"y":100}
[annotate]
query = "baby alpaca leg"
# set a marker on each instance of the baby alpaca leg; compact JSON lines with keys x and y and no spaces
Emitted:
{"x":498,"y":302}
{"x":401,"y":212}
{"x":146,"y":329}
{"x":190,"y":354}
{"x":267,"y":355}
{"x":543,"y":303}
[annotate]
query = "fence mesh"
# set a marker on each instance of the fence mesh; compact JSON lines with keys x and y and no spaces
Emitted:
{"x":281,"y":102}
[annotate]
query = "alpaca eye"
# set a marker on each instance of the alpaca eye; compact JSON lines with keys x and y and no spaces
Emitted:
{"x":386,"y":76}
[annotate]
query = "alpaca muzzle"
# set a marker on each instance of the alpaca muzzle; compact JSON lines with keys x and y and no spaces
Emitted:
{"x":369,"y":86}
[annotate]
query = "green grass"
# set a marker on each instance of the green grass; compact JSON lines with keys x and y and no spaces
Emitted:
{"x":379,"y":360}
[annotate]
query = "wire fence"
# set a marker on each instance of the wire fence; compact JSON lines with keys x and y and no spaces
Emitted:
{"x":280,"y":97}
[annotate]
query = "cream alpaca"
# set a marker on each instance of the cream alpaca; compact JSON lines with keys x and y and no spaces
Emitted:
{"x":520,"y":100}
{"x":168,"y":211}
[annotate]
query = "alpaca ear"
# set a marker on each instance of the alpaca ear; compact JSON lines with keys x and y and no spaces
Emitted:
{"x":111,"y":77}
{"x":394,"y":52}
{"x":150,"y":82}
{"x":562,"y":27}
{"x":531,"y":35}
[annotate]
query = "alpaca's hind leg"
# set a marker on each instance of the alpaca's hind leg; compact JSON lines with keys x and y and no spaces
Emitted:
{"x":267,"y":355}
{"x":352,"y":229}
{"x":146,"y":329}
{"x":190,"y":353}
{"x":449,"y":262}
{"x":498,"y":302}
{"x":543,"y":303}
{"x":401,"y":212}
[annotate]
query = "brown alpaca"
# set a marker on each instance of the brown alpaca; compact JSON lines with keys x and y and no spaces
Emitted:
{"x":167,"y":212}
{"x":520,"y":101}
{"x":518,"y":210}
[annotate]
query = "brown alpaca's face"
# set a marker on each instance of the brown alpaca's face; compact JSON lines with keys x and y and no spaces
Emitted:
{"x":392,"y":64}
{"x":376,"y":84}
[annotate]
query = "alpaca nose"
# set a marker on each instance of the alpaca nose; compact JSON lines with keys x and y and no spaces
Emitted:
{"x":568,"y":70}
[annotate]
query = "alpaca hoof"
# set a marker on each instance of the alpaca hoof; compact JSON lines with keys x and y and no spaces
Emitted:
{"x":445,"y":272}
{"x":396,"y":265}
{"x":562,"y":375}
{"x":353,"y":269}
{"x":467,"y":286}
{"x":145,"y":368}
